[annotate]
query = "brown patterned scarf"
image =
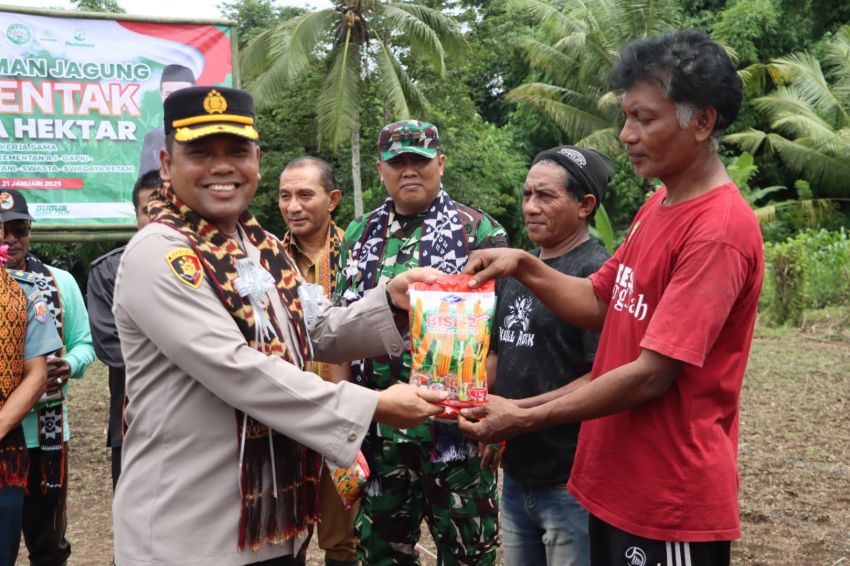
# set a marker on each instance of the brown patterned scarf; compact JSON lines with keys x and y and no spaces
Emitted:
{"x":51,"y":414}
{"x":280,"y":478}
{"x":14,"y":459}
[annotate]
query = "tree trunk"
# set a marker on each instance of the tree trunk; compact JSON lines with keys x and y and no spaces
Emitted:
{"x":356,"y":183}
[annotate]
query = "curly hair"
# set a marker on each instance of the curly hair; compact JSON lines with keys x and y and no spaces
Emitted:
{"x":692,"y":69}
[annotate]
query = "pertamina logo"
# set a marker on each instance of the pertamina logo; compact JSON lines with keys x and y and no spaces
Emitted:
{"x":19,"y":34}
{"x":623,"y":296}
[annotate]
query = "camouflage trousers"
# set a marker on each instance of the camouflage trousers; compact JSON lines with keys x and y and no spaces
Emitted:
{"x":458,"y":500}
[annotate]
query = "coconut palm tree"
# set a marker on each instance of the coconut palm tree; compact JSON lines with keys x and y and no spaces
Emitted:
{"x":808,"y":113}
{"x":360,"y":42}
{"x":574,"y":55}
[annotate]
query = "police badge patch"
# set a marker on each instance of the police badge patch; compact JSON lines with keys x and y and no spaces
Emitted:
{"x":186,"y":266}
{"x":40,"y":311}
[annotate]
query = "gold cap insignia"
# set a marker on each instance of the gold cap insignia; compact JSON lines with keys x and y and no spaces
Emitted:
{"x":215,"y":103}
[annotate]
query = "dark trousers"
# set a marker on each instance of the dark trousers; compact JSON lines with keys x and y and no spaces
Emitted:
{"x":11,"y":508}
{"x":116,"y":466}
{"x":45,"y":518}
{"x":609,"y":546}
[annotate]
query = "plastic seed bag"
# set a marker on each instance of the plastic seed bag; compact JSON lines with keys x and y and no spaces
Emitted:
{"x":349,"y":481}
{"x":450,"y":338}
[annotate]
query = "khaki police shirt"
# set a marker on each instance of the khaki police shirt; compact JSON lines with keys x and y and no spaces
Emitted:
{"x":188,"y":366}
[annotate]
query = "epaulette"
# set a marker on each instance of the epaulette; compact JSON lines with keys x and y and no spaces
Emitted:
{"x":119,"y":250}
{"x":27,"y":276}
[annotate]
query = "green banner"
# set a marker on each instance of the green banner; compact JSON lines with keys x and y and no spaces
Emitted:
{"x":81,"y":107}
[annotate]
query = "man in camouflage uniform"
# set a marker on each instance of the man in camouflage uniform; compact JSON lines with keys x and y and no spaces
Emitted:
{"x":428,"y":471}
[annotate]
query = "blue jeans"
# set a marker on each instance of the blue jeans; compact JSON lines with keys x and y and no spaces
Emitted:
{"x":542,"y":526}
{"x":11,"y":511}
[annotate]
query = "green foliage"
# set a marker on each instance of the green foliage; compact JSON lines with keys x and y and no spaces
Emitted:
{"x":602,"y":229}
{"x":625,"y":194}
{"x":252,"y":17}
{"x":572,"y":55}
{"x":809,"y":271}
{"x":105,"y":6}
{"x":809,"y":115}
{"x":743,"y":23}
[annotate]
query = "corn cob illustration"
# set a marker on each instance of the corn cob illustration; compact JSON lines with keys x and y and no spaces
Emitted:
{"x":444,"y":356}
{"x":468,"y":364}
{"x":422,"y":351}
{"x":416,"y":325}
{"x":462,"y":321}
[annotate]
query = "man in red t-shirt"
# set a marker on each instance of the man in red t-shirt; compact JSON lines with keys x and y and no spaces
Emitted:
{"x":656,"y":459}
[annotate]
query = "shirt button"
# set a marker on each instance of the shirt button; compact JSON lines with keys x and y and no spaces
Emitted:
{"x":352,"y":436}
{"x":395,"y":349}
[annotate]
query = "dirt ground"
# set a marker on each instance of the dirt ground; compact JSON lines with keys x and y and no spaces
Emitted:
{"x":794,"y":458}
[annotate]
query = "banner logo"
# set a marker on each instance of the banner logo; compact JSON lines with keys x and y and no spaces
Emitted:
{"x":18,"y":34}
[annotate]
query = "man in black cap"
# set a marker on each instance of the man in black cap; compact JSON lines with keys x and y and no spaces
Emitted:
{"x":45,"y":505}
{"x":174,"y":77}
{"x":225,"y":431}
{"x":534,"y":352}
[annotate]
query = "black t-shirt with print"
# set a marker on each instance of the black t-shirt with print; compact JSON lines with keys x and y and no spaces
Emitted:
{"x":538,"y":352}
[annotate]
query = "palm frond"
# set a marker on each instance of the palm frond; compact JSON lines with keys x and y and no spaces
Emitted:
{"x":423,"y":38}
{"x":400,"y":93}
{"x":278,"y":56}
{"x":575,"y":121}
{"x":445,"y":27}
{"x":339,"y":103}
{"x":828,"y":175}
{"x":548,"y":16}
{"x":606,"y":140}
{"x":804,"y":72}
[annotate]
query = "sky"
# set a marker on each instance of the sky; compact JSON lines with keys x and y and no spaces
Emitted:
{"x":202,"y":9}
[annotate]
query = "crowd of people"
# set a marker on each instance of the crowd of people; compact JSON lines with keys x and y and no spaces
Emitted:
{"x":246,"y":369}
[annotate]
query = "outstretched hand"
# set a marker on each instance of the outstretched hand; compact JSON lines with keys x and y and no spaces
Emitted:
{"x":405,"y":406}
{"x":499,"y":420}
{"x":493,"y":263}
{"x":397,"y":287}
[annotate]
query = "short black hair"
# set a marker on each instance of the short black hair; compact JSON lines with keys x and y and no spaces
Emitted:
{"x":326,"y":172}
{"x":689,"y":66}
{"x":148,"y":180}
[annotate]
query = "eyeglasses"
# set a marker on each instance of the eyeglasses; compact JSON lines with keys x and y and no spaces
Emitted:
{"x":18,"y":230}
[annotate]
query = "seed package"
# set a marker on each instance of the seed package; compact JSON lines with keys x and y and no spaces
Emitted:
{"x":450,"y":337}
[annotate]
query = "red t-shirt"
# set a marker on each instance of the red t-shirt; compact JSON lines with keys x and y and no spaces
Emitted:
{"x":685,"y":284}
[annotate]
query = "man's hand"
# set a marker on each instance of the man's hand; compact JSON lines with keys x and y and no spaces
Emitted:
{"x":397,"y":287}
{"x":499,"y":420}
{"x":405,"y":406}
{"x":491,"y":455}
{"x":493,"y":263}
{"x":58,"y":373}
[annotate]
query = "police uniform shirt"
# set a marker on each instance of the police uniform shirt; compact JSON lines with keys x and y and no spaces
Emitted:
{"x":188,"y":367}
{"x":42,"y":338}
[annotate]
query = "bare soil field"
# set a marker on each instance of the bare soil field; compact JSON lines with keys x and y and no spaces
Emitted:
{"x":794,"y":458}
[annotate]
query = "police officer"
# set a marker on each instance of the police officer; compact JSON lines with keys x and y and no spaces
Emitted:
{"x":27,"y":335}
{"x":221,"y":462}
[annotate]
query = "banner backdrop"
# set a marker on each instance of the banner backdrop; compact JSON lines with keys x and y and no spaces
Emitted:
{"x":81,"y":107}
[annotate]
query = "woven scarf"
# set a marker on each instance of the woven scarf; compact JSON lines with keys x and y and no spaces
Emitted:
{"x":14,"y":459}
{"x":327,"y":265}
{"x":443,"y":245}
{"x":51,"y":416}
{"x":279,"y":477}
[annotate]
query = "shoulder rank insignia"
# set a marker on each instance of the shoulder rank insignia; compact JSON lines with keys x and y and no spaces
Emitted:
{"x":22,"y":275}
{"x":40,"y":310}
{"x":184,"y":263}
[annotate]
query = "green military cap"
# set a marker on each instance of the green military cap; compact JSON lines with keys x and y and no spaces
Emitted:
{"x":408,"y":136}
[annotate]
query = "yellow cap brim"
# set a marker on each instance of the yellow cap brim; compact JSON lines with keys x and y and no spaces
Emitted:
{"x":183,"y":135}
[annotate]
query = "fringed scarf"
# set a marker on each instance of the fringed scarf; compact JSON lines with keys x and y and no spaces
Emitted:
{"x":279,"y":477}
{"x":14,"y":459}
{"x":51,"y":416}
{"x":443,"y":245}
{"x":327,"y":265}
